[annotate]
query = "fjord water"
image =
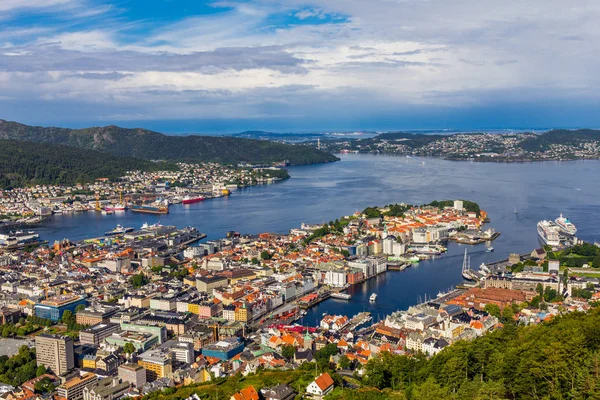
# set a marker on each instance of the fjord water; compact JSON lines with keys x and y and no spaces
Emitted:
{"x":320,"y":193}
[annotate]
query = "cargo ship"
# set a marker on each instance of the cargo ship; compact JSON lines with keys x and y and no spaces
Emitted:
{"x":116,"y":207}
{"x":192,"y":200}
{"x":565,"y":225}
{"x":148,"y":209}
{"x":548,"y":232}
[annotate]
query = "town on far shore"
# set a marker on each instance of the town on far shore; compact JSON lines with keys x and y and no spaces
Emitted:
{"x":151,"y":310}
{"x":137,"y":191}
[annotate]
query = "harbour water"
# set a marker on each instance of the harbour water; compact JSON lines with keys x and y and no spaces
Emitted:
{"x":319,"y":193}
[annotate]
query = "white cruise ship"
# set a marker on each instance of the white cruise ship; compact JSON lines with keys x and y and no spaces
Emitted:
{"x":565,"y":225}
{"x":548,"y":231}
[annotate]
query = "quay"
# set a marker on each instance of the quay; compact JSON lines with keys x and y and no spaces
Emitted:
{"x":398,"y":266}
{"x":358,"y":320}
{"x":464,"y":239}
{"x":313,"y":299}
{"x":199,"y":236}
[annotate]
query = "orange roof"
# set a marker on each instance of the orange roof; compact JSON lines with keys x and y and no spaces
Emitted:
{"x":476,"y":325}
{"x":324,"y":381}
{"x":248,"y":393}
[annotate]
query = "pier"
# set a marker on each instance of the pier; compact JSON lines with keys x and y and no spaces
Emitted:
{"x":464,"y":239}
{"x":358,"y":320}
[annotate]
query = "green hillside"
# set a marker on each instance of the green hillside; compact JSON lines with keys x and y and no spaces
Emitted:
{"x":559,"y":359}
{"x":560,"y":137}
{"x":28,"y":163}
{"x":151,"y":145}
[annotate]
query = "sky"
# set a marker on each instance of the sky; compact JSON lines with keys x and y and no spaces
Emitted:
{"x":296,"y":65}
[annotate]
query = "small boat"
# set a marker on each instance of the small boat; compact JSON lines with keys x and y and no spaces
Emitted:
{"x":489,"y":250}
{"x":107,"y":212}
{"x":373,"y":298}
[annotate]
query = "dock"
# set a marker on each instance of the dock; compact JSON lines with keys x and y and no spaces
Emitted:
{"x":398,"y":266}
{"x":358,"y":320}
{"x":312,"y":300}
{"x":463,"y":239}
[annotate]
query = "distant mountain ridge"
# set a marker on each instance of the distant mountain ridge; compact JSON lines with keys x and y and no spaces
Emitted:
{"x":147,"y":144}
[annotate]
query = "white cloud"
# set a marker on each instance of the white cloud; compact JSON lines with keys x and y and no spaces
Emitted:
{"x":404,"y":52}
{"x":12,"y":5}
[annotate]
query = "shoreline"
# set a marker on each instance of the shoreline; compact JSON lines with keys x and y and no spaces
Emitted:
{"x":473,"y":159}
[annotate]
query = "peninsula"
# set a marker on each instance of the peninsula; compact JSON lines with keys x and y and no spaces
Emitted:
{"x":490,"y":147}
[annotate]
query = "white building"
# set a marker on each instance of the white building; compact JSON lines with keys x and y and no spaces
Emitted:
{"x":320,"y":386}
{"x":336,"y":278}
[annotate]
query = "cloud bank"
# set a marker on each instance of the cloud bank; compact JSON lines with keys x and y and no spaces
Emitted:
{"x":293,"y":64}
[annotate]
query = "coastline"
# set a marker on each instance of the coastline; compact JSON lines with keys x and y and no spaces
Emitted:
{"x":490,"y":160}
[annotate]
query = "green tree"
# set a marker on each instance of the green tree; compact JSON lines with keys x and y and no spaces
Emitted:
{"x":493,"y":309}
{"x":41,"y":370}
{"x":138,"y":280}
{"x":540,"y":289}
{"x":80,"y":307}
{"x":596,"y":261}
{"x":157,"y":269}
{"x":67,"y":317}
{"x":344,"y":362}
{"x":128,"y":348}
{"x":44,"y":385}
{"x":430,"y":390}
{"x":288,"y":351}
{"x":265,"y":255}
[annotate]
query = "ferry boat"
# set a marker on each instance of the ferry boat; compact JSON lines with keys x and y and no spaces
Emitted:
{"x":119,"y":230}
{"x":342,"y":296}
{"x":153,"y":226}
{"x":373,"y":298}
{"x":150,"y":209}
{"x":548,"y":232}
{"x":565,"y":225}
{"x":192,"y":200}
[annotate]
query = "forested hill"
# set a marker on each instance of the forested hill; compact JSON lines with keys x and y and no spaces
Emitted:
{"x":25,"y":163}
{"x":151,"y":145}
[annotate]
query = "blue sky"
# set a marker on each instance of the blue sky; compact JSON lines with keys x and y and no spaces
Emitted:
{"x":298,"y":65}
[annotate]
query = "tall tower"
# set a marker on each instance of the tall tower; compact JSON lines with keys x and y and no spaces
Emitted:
{"x":319,"y":143}
{"x":55,"y":352}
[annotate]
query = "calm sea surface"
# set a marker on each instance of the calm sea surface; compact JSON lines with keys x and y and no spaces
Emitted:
{"x":324,"y":192}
